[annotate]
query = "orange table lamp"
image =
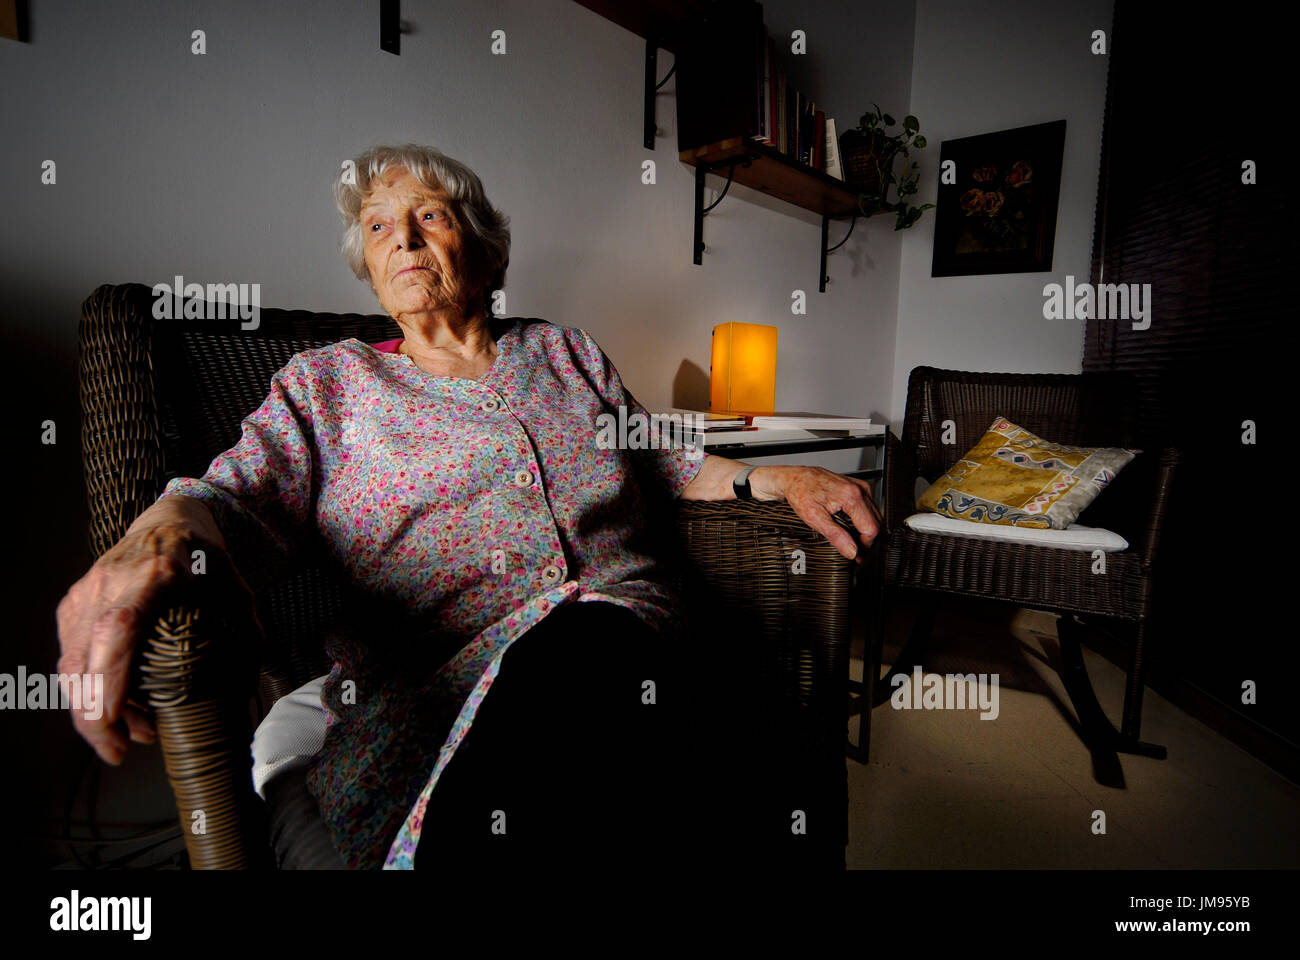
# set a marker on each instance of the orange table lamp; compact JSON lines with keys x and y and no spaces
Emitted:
{"x":742,"y":374}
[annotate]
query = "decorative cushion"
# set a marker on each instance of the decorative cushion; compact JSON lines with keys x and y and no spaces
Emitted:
{"x":292,"y":732}
{"x":1014,"y":478}
{"x":1074,"y":537}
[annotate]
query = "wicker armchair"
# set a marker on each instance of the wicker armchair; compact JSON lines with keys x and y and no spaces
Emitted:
{"x":1092,"y":409}
{"x":161,"y":399}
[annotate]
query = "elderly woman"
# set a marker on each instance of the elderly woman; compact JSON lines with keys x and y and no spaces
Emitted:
{"x":453,"y":475}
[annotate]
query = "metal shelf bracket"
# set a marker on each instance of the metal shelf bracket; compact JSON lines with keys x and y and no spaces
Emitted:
{"x":701,"y":171}
{"x":652,"y":86}
{"x":821,"y":273}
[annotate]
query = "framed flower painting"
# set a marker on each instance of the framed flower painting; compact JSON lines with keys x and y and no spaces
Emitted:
{"x":997,"y":200}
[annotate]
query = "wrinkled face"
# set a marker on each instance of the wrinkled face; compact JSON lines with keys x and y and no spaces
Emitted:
{"x":418,"y":256}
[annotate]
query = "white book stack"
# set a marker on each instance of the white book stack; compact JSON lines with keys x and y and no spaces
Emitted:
{"x":811,"y":421}
{"x":725,"y":429}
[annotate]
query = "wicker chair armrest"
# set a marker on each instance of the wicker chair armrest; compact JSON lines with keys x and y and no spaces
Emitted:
{"x":742,"y":554}
{"x":1170,"y":458}
{"x":197,"y":673}
{"x":757,"y":565}
{"x":770,"y":521}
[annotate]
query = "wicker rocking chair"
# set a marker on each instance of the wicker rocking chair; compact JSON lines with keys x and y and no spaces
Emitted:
{"x":1092,"y":409}
{"x":161,"y":399}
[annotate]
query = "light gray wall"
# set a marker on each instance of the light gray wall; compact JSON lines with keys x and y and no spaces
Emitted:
{"x":979,"y":66}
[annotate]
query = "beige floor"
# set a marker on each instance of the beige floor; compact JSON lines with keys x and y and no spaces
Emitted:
{"x":946,"y":789}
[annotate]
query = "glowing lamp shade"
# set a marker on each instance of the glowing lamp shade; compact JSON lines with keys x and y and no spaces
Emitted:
{"x":742,"y":376}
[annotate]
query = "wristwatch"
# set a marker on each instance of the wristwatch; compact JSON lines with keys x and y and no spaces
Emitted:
{"x":741,"y":484}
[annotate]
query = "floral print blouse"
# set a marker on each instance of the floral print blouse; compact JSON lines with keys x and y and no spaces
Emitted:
{"x":475,"y":507}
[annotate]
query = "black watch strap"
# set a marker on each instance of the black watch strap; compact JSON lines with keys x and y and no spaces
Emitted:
{"x":741,"y":485}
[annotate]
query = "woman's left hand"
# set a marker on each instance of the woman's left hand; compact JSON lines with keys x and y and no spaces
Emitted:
{"x":815,"y":494}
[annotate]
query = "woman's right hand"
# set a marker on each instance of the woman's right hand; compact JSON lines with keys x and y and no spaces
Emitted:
{"x":104,"y":614}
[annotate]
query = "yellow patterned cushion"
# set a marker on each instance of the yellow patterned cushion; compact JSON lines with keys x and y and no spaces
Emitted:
{"x":1014,"y":478}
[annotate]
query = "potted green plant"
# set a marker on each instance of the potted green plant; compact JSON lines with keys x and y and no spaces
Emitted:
{"x":870,"y":153}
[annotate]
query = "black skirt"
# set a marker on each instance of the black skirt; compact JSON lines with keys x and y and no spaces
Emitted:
{"x":605,"y":744}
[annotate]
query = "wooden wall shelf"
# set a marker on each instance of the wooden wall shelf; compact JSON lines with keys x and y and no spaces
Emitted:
{"x":762,"y":167}
{"x":773,"y":173}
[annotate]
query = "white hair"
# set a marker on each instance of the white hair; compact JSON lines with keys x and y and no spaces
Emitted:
{"x":434,"y":169}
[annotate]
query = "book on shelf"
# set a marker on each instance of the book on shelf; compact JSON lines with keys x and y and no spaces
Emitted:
{"x":796,"y":111}
{"x":809,"y":124}
{"x":800,"y":127}
{"x":791,"y":119}
{"x":819,"y":139}
{"x":831,"y":145}
{"x":770,"y":104}
{"x":791,"y":124}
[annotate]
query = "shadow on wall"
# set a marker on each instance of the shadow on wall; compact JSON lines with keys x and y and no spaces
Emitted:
{"x":691,"y":387}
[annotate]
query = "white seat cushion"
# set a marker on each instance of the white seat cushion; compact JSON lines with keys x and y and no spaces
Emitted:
{"x":291,"y":734}
{"x":1074,"y":537}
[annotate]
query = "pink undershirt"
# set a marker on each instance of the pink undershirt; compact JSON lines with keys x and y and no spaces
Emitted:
{"x":388,"y":346}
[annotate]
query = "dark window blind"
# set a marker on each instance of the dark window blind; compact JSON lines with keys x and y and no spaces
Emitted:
{"x":1189,"y":99}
